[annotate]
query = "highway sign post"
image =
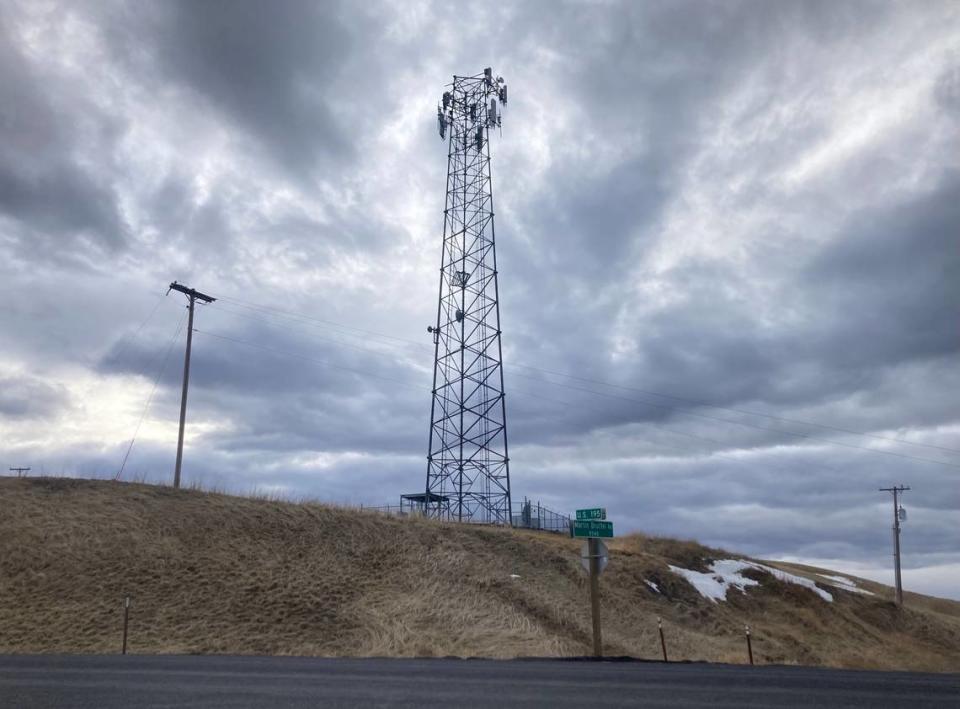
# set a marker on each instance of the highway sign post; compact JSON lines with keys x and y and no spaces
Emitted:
{"x":591,"y":523}
{"x":663,"y":643}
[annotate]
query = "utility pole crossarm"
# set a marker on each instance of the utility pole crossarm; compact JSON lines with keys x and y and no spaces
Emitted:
{"x":190,"y":292}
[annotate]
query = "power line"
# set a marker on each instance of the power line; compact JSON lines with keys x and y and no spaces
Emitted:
{"x":365,"y":373}
{"x":572,"y":405}
{"x":307,"y":358}
{"x":327,"y":323}
{"x":393,"y":380}
{"x":289,"y":328}
{"x":125,"y":340}
{"x":660,"y":427}
{"x":686,"y":412}
{"x":784,"y":419}
{"x":750,"y":425}
{"x":153,"y":390}
{"x":522,"y":393}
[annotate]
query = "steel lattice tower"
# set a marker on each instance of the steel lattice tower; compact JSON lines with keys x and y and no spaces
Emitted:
{"x":468,"y":471}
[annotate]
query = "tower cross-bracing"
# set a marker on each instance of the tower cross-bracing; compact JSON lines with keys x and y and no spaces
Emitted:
{"x":468,"y":470}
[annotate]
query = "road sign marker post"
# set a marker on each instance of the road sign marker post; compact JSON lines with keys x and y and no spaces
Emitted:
{"x":663,"y":643}
{"x":126,"y":620}
{"x":591,"y":523}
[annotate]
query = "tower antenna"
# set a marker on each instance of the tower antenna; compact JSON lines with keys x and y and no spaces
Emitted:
{"x":468,"y":467}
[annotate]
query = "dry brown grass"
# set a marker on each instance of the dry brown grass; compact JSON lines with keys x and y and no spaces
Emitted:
{"x":212,"y":573}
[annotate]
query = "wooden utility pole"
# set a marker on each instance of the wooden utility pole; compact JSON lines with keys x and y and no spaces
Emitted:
{"x":193,"y":296}
{"x":896,"y":490}
{"x":594,"y":546}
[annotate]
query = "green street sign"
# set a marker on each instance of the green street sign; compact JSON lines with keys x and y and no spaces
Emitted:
{"x":592,"y":513}
{"x":592,"y":528}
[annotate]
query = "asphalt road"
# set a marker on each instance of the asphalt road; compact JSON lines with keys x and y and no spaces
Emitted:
{"x":121,"y":682}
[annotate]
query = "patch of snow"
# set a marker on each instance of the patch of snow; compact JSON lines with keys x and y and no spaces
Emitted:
{"x":846,"y":584}
{"x":514,"y":576}
{"x":838,"y":579}
{"x":726,"y":573}
{"x":652,"y":585}
{"x":799,"y":580}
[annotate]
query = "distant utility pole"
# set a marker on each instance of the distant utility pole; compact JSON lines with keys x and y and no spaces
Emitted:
{"x":193,"y":296}
{"x":898,"y":514}
{"x":19,"y":471}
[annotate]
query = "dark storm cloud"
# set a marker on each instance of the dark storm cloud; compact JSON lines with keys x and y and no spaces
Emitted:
{"x":272,"y":69}
{"x":55,"y":207}
{"x":899,"y":268}
{"x":595,"y":222}
{"x":647,"y":77}
{"x":274,"y":74}
{"x":895,"y":267}
{"x":707,"y":341}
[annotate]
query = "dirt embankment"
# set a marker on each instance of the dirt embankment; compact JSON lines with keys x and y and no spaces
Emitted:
{"x":213,"y":573}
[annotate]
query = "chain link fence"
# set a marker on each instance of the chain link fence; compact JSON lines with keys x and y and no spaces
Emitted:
{"x":524,"y":515}
{"x":530,"y":515}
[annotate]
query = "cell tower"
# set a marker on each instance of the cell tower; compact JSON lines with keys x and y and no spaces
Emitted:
{"x":468,"y":470}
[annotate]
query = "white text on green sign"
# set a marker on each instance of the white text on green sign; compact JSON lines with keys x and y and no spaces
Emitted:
{"x":592,"y":528}
{"x":592,"y":513}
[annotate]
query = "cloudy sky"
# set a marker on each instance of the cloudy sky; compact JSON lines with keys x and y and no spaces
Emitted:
{"x":727,"y":240}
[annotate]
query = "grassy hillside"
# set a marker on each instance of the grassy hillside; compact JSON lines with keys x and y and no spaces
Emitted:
{"x":212,"y":573}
